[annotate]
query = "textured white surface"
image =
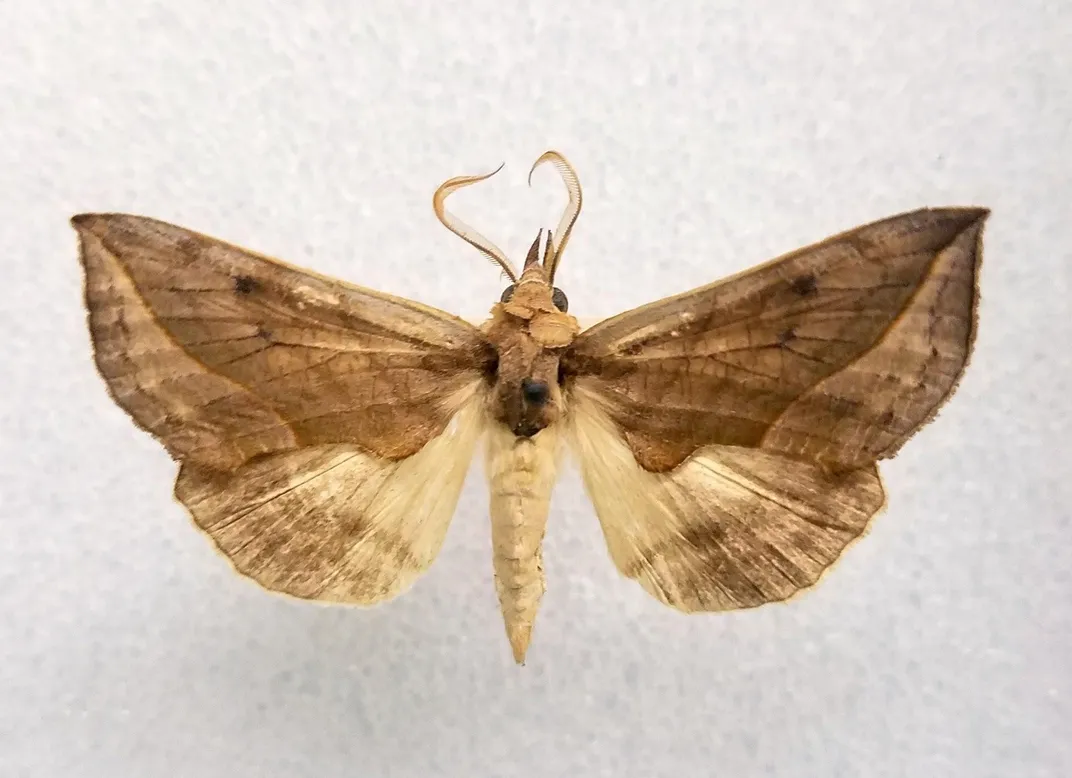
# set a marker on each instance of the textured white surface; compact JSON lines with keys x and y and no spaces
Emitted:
{"x":708,"y":137}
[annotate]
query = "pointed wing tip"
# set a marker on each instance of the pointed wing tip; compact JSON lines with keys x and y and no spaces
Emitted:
{"x":965,"y":217}
{"x":970,"y":222}
{"x":975,"y":214}
{"x":946,"y":223}
{"x":86,"y":224}
{"x":84,"y":221}
{"x":98,"y":223}
{"x":94,"y":223}
{"x":93,"y":230}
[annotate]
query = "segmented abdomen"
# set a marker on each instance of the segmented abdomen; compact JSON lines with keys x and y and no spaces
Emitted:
{"x":521,"y":473}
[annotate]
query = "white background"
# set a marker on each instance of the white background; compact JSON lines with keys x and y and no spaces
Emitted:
{"x":708,"y":137}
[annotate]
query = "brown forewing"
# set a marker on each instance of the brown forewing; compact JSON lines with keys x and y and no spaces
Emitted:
{"x":837,"y":352}
{"x":223,"y":354}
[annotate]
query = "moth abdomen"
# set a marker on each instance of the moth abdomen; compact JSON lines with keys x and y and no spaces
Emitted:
{"x":521,"y":473}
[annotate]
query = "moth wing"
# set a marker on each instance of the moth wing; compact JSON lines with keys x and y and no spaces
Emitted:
{"x":335,"y":523}
{"x":224,"y":355}
{"x":731,"y":527}
{"x":312,"y":418}
{"x":836,"y":353}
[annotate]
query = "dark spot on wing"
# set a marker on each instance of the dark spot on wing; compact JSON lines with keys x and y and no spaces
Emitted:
{"x":803,"y":285}
{"x":188,"y":247}
{"x":934,"y":351}
{"x":244,"y":284}
{"x":786,"y":335}
{"x":843,"y":407}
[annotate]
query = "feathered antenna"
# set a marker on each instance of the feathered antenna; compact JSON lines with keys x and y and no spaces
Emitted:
{"x":569,"y":217}
{"x":463,"y":230}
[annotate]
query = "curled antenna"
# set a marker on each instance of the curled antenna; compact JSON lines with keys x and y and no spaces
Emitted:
{"x":573,"y":210}
{"x":463,"y":230}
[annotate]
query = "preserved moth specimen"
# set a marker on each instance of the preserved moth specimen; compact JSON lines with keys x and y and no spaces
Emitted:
{"x":727,"y":436}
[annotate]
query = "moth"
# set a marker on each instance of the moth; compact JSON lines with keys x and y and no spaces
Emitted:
{"x":727,"y":436}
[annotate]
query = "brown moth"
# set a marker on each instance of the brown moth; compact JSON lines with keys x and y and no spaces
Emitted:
{"x":728,"y":436}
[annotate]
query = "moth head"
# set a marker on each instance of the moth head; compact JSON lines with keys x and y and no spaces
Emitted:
{"x":530,"y":326}
{"x":535,"y":305}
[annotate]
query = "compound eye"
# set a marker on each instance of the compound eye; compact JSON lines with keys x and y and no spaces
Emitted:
{"x":508,"y":292}
{"x":558,"y":297}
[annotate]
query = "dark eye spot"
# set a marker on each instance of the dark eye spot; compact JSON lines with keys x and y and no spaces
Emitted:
{"x":558,"y":297}
{"x":804,"y":285}
{"x":244,"y":284}
{"x":508,"y":292}
{"x":535,"y":392}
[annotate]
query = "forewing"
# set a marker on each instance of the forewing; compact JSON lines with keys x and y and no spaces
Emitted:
{"x":225,"y":355}
{"x":333,"y":522}
{"x":731,"y":527}
{"x":836,"y":353}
